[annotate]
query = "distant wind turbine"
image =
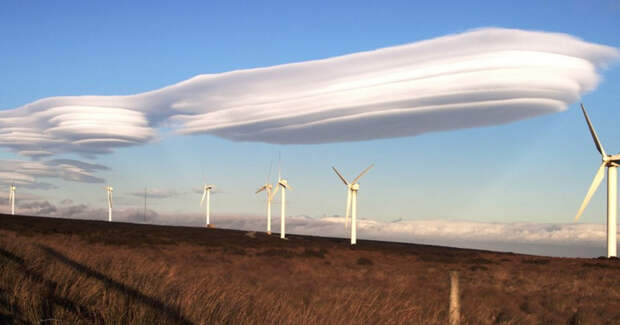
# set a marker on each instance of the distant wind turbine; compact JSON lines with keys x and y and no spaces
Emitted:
{"x":352,"y":189}
{"x":207,"y":193}
{"x":271,"y":193}
{"x":12,"y":197}
{"x":144,"y":213}
{"x":283,"y":183}
{"x":109,"y":189}
{"x":611,"y":162}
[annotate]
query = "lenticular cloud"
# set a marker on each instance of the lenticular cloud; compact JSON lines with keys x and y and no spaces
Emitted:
{"x":482,"y":77}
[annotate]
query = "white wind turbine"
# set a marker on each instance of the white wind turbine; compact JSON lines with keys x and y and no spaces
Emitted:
{"x":283,"y":183}
{"x":207,"y":193}
{"x":611,"y":162}
{"x":109,"y":190}
{"x":271,"y":193}
{"x":352,"y":189}
{"x":12,"y":198}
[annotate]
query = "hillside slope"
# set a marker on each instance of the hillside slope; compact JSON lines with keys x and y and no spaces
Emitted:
{"x":91,"y":272}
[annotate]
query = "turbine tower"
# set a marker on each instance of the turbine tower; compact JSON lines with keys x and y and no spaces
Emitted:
{"x":12,"y":198}
{"x":144,"y":213}
{"x":283,"y":183}
{"x":207,"y":193}
{"x":109,"y":189}
{"x":352,"y":189}
{"x":271,"y":193}
{"x":611,"y":162}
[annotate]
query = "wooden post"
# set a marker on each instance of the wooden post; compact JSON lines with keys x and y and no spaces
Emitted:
{"x":455,"y":314}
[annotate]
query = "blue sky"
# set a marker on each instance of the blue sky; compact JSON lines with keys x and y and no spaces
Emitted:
{"x":534,"y":170}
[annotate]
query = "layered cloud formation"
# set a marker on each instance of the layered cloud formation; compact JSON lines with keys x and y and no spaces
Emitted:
{"x":482,"y":77}
{"x":27,"y":173}
{"x":49,"y":126}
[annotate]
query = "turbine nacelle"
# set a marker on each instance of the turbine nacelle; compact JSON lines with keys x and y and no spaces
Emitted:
{"x":267,"y":187}
{"x":611,"y":163}
{"x":611,"y":159}
{"x":284,"y":183}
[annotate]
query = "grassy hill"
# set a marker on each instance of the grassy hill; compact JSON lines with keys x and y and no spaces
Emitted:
{"x":60,"y":271}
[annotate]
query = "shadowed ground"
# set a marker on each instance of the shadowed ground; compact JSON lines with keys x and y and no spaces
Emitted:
{"x":91,"y":272}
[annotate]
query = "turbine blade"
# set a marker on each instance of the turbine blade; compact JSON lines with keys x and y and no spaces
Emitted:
{"x":595,"y":184}
{"x":362,"y":174}
{"x":344,"y":180}
{"x":204,"y":194}
{"x":597,"y":142}
{"x":262,"y":188}
{"x":273,"y":194}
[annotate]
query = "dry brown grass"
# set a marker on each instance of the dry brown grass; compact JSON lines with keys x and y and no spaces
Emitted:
{"x":55,"y":271}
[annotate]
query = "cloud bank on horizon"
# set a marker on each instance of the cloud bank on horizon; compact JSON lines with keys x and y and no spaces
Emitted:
{"x":482,"y":77}
{"x":555,"y":239}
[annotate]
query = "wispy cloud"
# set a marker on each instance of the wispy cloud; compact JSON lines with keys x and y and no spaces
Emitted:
{"x":20,"y":197}
{"x":87,"y":167}
{"x":157,"y":193}
{"x":28,"y":173}
{"x":483,"y":77}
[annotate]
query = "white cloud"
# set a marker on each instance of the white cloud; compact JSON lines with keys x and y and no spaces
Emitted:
{"x":424,"y":230}
{"x":483,"y":77}
{"x":67,"y":202}
{"x":156,"y":193}
{"x":28,"y":173}
{"x":20,"y":196}
{"x":555,"y":239}
{"x":50,"y":126}
{"x":88,"y":167}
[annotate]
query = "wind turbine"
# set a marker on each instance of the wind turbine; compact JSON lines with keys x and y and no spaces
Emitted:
{"x":352,"y":189}
{"x":207,"y":193}
{"x":283,"y":183}
{"x":144,"y":213}
{"x":109,"y":189}
{"x":271,"y":193}
{"x":611,"y":162}
{"x":12,"y":198}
